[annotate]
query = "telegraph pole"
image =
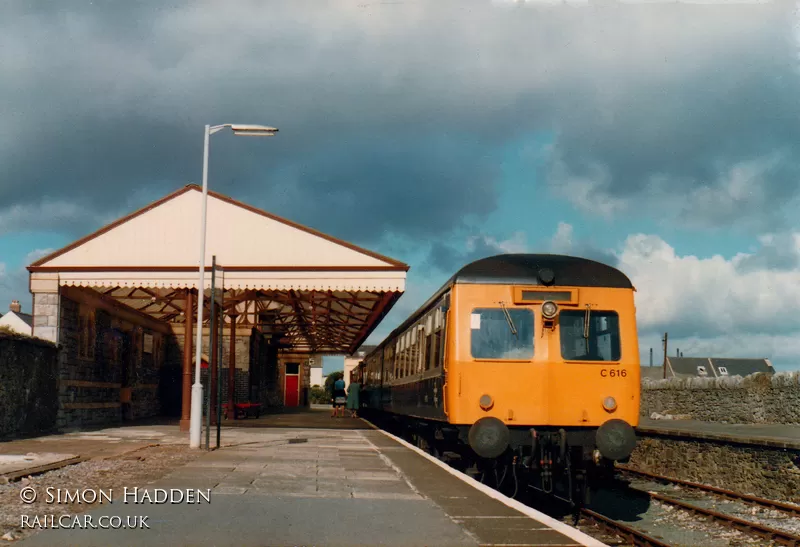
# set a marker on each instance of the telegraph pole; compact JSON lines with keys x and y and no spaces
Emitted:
{"x":665,"y":355}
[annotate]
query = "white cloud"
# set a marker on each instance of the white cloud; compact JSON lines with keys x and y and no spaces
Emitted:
{"x":35,"y":255}
{"x":744,"y":306}
{"x":562,"y":239}
{"x":565,"y":242}
{"x":588,"y":193}
{"x":712,"y":306}
{"x":711,"y":295}
{"x":517,"y":243}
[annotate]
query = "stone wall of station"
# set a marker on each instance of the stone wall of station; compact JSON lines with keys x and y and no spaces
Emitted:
{"x":763,"y":471}
{"x":107,"y":373}
{"x":756,"y":399}
{"x":28,"y":386}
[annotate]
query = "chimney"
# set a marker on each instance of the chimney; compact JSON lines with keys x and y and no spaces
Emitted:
{"x":15,"y":306}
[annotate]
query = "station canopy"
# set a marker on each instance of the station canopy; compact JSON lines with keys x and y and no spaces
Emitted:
{"x":307,"y":290}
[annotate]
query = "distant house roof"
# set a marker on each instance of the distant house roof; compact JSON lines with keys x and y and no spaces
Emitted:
{"x":714,"y":367}
{"x":28,"y":318}
{"x":18,"y":321}
{"x":743,"y":367}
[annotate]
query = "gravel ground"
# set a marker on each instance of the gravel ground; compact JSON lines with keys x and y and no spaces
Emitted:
{"x":662,"y":521}
{"x":760,"y":515}
{"x":132,"y":469}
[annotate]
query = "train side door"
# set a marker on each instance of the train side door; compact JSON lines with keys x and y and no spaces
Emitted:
{"x":443,"y":354}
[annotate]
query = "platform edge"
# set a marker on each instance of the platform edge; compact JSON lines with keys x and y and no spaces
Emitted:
{"x":558,"y":526}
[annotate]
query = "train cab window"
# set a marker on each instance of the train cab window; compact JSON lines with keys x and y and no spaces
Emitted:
{"x":602,"y":343}
{"x":498,"y":333}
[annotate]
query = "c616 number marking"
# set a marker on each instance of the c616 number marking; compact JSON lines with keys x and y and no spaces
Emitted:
{"x":613,"y":373}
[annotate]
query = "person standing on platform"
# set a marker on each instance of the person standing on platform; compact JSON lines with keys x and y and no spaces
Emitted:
{"x":353,"y":391}
{"x":339,"y":397}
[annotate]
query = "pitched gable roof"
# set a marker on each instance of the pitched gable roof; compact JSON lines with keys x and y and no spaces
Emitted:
{"x":164,"y":234}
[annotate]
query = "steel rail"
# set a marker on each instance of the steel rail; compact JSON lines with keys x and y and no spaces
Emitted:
{"x":781,"y":536}
{"x":771,"y":504}
{"x":638,"y":538}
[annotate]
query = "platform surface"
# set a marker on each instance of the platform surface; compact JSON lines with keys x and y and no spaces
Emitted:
{"x":775,"y":435}
{"x":331,"y":487}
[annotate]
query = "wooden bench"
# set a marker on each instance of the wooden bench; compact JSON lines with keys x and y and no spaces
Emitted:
{"x":243,"y":410}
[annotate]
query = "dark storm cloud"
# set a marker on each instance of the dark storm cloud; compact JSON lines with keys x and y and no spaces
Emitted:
{"x":392,"y":117}
{"x":446,"y":258}
{"x":706,"y":130}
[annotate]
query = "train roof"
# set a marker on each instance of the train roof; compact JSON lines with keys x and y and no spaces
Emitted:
{"x":527,"y":269}
{"x":524,"y":269}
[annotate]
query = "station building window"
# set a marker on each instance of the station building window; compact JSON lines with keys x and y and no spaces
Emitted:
{"x":87,"y":333}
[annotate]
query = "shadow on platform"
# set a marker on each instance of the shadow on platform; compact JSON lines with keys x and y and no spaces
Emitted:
{"x":303,"y":418}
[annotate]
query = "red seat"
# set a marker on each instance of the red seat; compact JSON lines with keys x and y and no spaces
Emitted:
{"x":243,"y":410}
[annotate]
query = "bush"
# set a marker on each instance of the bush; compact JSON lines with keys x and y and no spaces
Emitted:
{"x":319,"y":396}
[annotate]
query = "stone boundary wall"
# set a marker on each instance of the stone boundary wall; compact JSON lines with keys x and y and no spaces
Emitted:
{"x":28,"y":386}
{"x":755,"y":399}
{"x":772,"y":473}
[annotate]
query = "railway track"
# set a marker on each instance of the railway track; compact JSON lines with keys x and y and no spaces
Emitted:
{"x":779,"y":536}
{"x":632,"y":535}
{"x":728,"y":494}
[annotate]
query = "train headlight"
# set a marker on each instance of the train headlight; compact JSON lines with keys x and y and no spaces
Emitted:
{"x":549,"y":309}
{"x":610,"y":404}
{"x":486,"y":402}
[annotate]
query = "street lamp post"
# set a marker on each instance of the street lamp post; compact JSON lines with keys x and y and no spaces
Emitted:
{"x":196,"y":421}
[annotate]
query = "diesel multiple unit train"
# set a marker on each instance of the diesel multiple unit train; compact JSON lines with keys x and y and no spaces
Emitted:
{"x":522,"y":368}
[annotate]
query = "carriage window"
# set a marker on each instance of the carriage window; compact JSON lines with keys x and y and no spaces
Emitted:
{"x":496,"y":335}
{"x":603,"y":341}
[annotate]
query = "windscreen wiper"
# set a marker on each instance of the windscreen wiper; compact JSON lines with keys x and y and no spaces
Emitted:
{"x":508,"y":319}
{"x":586,"y":327}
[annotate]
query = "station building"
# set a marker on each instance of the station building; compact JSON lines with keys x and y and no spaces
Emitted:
{"x":121,"y":303}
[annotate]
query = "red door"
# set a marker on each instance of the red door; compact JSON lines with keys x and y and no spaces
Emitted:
{"x":291,"y":395}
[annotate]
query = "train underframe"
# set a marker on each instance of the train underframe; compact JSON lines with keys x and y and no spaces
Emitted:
{"x":565,"y":463}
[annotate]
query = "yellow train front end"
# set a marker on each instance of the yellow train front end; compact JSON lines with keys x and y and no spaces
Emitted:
{"x":549,"y":373}
{"x":553,"y":371}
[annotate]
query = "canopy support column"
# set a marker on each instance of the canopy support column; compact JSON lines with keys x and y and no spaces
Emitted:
{"x":186,"y":397}
{"x":232,"y":367}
